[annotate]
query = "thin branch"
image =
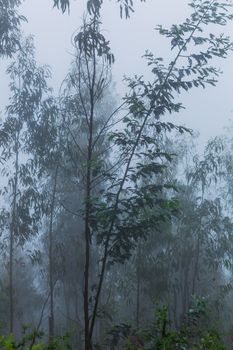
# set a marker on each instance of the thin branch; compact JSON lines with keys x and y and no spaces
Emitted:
{"x":68,"y":210}
{"x":42,"y":312}
{"x":106,"y":123}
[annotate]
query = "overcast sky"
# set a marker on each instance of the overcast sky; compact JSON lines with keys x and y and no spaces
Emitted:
{"x":206,"y":110}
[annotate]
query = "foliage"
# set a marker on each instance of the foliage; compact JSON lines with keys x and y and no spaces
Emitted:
{"x":94,"y":6}
{"x":136,"y":188}
{"x":103,"y":184}
{"x":160,"y":336}
{"x":10,"y":22}
{"x":28,"y":86}
{"x":33,"y":340}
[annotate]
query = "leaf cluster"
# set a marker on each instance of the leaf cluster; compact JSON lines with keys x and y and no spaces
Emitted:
{"x":10,"y":21}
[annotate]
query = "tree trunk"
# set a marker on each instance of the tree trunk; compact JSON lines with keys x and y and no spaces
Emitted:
{"x":13,"y":229}
{"x":138,"y":287}
{"x":87,"y":232}
{"x":51,"y":270}
{"x":196,"y":266}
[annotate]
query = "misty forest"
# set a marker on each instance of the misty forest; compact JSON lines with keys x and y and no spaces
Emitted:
{"x":116,"y":227}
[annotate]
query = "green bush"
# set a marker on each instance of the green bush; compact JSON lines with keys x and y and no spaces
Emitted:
{"x":33,"y":340}
{"x":194,"y":334}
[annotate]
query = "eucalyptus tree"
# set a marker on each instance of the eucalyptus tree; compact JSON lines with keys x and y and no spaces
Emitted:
{"x":45,"y":140}
{"x":46,"y":144}
{"x":187,"y":257}
{"x":116,"y":217}
{"x":121,"y":199}
{"x":86,"y":116}
{"x":118,"y":221}
{"x":222,"y":152}
{"x":27,"y":86}
{"x":201,"y":233}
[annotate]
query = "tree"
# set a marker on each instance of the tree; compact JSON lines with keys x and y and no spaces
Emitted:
{"x":109,"y":173}
{"x":186,"y":257}
{"x":28,"y":84}
{"x":88,"y":83}
{"x":118,"y":224}
{"x":111,"y":217}
{"x":46,"y":157}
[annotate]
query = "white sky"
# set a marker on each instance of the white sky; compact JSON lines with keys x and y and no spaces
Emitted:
{"x":206,"y":110}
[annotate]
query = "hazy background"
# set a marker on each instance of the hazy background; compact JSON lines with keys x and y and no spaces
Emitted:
{"x":207,"y":111}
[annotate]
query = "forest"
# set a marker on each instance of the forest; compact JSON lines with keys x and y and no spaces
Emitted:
{"x":116,"y":230}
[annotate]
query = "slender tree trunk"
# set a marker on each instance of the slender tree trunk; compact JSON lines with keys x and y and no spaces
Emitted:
{"x":13,"y":229}
{"x":51,"y":270}
{"x":196,"y":266}
{"x":185,"y":290}
{"x":87,"y":233}
{"x":86,"y":279}
{"x":175,"y":307}
{"x":138,"y":287}
{"x":67,"y":304}
{"x":11,"y":281}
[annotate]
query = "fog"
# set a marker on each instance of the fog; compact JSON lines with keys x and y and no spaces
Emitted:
{"x":116,"y":216}
{"x":207,"y":112}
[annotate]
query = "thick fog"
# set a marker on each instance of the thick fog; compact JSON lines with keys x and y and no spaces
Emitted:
{"x":116,"y":168}
{"x":207,"y":111}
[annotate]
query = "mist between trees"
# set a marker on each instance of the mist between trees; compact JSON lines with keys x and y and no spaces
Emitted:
{"x":115,"y":232}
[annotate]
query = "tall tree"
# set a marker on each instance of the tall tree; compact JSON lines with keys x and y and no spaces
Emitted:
{"x":28,"y":84}
{"x":88,"y":83}
{"x":118,"y":222}
{"x":47,"y":126}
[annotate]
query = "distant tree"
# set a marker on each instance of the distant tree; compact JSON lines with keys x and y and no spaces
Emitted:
{"x":27,"y":85}
{"x":46,"y":146}
{"x":183,"y":258}
{"x":47,"y":150}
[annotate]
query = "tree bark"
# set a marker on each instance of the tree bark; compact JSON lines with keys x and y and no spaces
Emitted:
{"x":51,"y":269}
{"x":13,"y":229}
{"x":87,"y":232}
{"x":138,"y":287}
